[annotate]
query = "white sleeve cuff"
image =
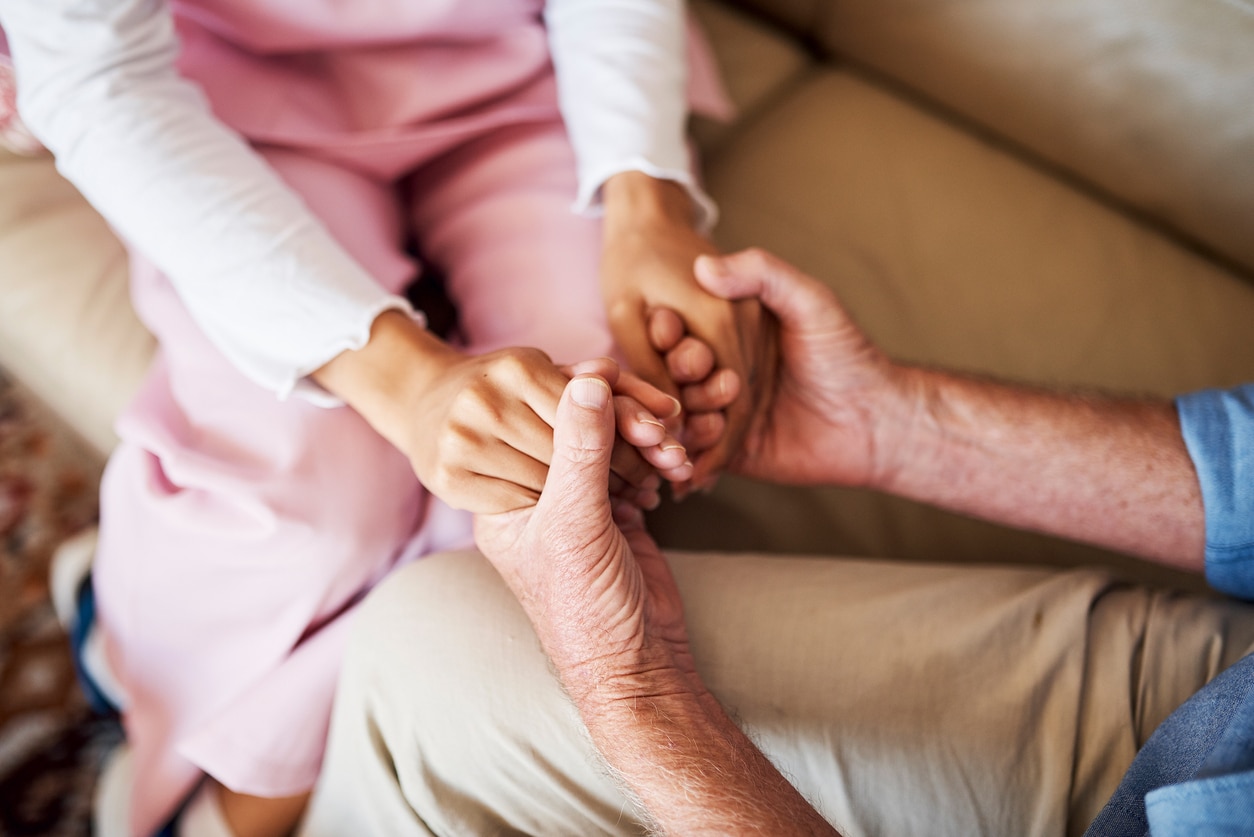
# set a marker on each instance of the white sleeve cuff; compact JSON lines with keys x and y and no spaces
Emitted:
{"x":622,"y":78}
{"x":590,"y":203}
{"x":298,"y":383}
{"x":257,"y":271}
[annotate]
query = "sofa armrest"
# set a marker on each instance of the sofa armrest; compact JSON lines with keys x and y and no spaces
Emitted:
{"x":67,"y":329}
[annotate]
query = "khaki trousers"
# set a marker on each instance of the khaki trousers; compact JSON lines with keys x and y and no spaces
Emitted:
{"x":901,"y":699}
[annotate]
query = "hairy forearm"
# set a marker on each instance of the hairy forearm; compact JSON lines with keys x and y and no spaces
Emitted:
{"x":689,"y":766}
{"x":1111,"y":472}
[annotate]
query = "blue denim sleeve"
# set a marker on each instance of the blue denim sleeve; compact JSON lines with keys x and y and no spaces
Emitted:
{"x":1218,"y":427}
{"x":1195,"y":774}
{"x":1220,"y":806}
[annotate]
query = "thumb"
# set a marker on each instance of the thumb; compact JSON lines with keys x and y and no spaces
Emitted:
{"x":791,"y":295}
{"x":583,"y":443}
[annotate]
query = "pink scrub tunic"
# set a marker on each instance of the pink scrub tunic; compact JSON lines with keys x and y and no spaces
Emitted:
{"x":238,"y":531}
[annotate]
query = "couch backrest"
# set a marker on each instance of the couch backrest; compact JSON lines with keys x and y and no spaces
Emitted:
{"x":1150,"y":101}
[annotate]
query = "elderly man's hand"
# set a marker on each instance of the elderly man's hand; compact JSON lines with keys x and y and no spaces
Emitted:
{"x":592,"y":581}
{"x":835,"y":393}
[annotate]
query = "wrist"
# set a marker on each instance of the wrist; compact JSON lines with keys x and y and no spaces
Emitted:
{"x":601,"y":683}
{"x":385,"y":379}
{"x":691,"y":767}
{"x":901,"y":419}
{"x":616,"y":710}
{"x":634,"y":200}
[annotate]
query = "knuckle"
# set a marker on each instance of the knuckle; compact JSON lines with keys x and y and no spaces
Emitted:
{"x":758,"y":258}
{"x":622,"y":311}
{"x":477,"y":405}
{"x":584,"y":451}
{"x":448,"y":480}
{"x":455,"y":445}
{"x":518,"y":362}
{"x":509,"y":364}
{"x":467,"y":404}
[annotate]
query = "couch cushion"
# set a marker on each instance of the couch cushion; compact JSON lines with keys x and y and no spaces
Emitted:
{"x":758,"y":63}
{"x":70,"y":335}
{"x":1150,"y":100}
{"x":951,"y":251}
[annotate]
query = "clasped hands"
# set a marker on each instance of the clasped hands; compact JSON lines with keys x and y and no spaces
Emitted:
{"x":713,"y":353}
{"x":487,"y":420}
{"x":593,"y":582}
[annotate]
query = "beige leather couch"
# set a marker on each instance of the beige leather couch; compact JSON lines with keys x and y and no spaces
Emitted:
{"x":1059,"y":191}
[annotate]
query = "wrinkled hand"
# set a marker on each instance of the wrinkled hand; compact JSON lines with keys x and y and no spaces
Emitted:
{"x":592,"y":581}
{"x":484,"y":438}
{"x":819,"y":425}
{"x":648,"y":264}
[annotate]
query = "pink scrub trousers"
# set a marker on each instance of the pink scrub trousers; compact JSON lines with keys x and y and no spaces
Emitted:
{"x":239,"y":531}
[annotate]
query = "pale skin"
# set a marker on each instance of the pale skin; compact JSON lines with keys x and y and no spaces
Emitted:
{"x":478,"y":429}
{"x":1109,"y":471}
{"x":486,"y":446}
{"x":609,"y":616}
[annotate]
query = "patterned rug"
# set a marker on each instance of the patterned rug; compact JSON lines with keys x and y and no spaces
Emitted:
{"x":51,"y":745}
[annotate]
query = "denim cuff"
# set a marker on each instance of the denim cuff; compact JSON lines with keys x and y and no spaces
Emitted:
{"x":1218,"y":428}
{"x":1219,"y":805}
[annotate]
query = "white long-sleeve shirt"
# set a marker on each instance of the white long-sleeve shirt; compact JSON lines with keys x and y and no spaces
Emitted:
{"x":97,"y":84}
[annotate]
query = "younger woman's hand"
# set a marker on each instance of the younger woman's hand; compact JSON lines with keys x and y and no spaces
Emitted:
{"x":691,"y":365}
{"x":649,"y":252}
{"x":478,"y":429}
{"x":484,"y":431}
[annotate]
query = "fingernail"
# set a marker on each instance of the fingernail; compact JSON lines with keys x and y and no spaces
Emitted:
{"x":592,"y":393}
{"x":673,"y":447}
{"x":645,"y":418}
{"x":676,"y":407}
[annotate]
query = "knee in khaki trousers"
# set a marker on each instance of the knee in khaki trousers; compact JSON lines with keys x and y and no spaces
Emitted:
{"x":900,"y":698}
